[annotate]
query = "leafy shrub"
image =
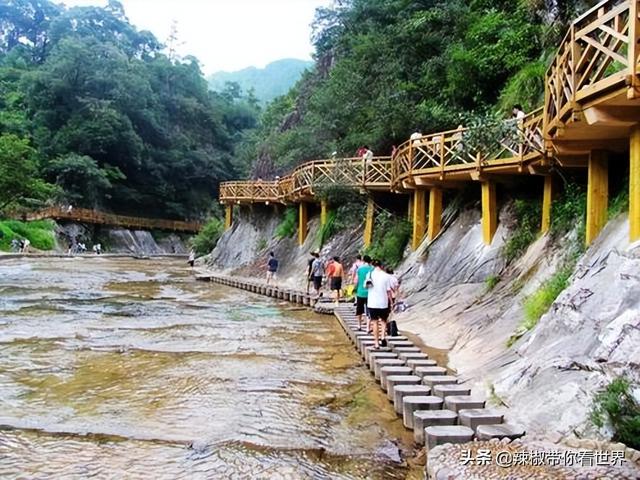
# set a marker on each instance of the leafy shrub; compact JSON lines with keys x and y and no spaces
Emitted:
{"x":539,"y":302}
{"x":617,"y":405}
{"x":262,"y":244}
{"x":619,"y":203}
{"x":206,"y":240}
{"x":289,"y":223}
{"x":491,"y":281}
{"x":40,"y":233}
{"x":569,"y":210}
{"x":525,"y":88}
{"x":327,"y":230}
{"x":526,"y":231}
{"x":391,"y":235}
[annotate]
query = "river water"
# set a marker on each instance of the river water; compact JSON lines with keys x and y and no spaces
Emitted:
{"x":124,"y":368}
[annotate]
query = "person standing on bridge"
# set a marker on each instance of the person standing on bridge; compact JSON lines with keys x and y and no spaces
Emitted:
{"x":272,"y":268}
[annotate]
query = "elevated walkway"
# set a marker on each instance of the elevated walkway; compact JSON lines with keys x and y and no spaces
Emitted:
{"x":591,"y":107}
{"x":95,"y":217}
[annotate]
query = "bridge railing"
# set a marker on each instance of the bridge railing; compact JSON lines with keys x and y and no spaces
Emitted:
{"x":100,"y":218}
{"x":600,"y":52}
{"x":453,"y":150}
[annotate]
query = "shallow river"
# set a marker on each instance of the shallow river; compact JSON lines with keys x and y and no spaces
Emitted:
{"x":122,"y":368}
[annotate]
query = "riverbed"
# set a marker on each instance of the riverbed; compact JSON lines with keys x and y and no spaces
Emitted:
{"x":124,"y":368}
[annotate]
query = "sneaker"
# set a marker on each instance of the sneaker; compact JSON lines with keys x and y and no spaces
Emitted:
{"x":383,"y":343}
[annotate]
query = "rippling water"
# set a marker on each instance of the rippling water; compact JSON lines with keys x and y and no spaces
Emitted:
{"x":131,"y":369}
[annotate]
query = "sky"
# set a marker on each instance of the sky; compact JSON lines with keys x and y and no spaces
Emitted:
{"x":227,"y":35}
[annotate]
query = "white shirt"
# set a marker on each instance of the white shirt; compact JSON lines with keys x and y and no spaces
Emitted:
{"x":368,"y":156}
{"x":378,"y":296}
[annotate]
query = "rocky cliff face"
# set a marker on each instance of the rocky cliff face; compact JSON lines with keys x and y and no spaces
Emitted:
{"x":546,"y":378}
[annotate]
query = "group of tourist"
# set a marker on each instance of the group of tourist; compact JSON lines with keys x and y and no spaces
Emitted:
{"x":375,"y":289}
{"x":20,"y":245}
{"x":80,"y":247}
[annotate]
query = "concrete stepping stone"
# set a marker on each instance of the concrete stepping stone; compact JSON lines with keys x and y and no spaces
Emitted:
{"x":385,"y":372}
{"x":402,"y":391}
{"x":399,"y":343}
{"x":415,"y":403}
{"x":397,"y":338}
{"x":430,"y":371}
{"x":373,"y":356}
{"x":460,"y":402}
{"x":384,"y":363}
{"x":451,"y":389}
{"x":430,"y":418}
{"x":364,"y":344}
{"x":506,"y":430}
{"x":369,"y":350}
{"x":363,"y":338}
{"x":393,"y":381}
{"x":433,"y":380}
{"x":421,"y":362}
{"x":413,"y":355}
{"x":441,"y":434}
{"x":400,"y":350}
{"x":474,"y":417}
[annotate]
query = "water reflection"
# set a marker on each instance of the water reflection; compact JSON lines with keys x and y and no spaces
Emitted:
{"x":125,"y":368}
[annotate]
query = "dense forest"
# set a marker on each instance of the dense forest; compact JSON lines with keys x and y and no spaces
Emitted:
{"x":387,"y":67}
{"x":93,"y":113}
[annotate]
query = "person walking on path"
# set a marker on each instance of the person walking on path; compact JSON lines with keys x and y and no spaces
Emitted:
{"x":353,"y":271}
{"x":309,"y":266}
{"x":272,"y":268}
{"x":192,"y":258}
{"x":25,"y":245}
{"x":378,"y":283}
{"x":317,"y":268}
{"x":361,"y":291}
{"x":335,"y":273}
{"x":392,"y":326}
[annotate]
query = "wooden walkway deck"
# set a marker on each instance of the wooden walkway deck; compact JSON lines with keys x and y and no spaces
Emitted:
{"x":95,"y":217}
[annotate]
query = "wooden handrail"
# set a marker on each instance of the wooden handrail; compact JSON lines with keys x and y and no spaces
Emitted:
{"x":101,"y":218}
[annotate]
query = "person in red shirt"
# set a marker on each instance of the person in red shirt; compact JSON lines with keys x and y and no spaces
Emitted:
{"x":335,"y":272}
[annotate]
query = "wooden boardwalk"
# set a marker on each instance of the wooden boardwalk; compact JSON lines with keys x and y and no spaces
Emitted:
{"x":95,"y":217}
{"x":591,"y":107}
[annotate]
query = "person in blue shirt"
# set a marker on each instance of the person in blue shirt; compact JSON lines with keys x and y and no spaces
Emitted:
{"x":361,"y":290}
{"x":272,"y":268}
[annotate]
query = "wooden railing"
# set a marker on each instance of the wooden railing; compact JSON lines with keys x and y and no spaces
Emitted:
{"x":599,"y":53}
{"x":309,"y":177}
{"x":457,"y":150}
{"x":100,"y":218}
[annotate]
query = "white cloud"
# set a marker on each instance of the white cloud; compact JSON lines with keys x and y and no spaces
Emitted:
{"x":227,"y":34}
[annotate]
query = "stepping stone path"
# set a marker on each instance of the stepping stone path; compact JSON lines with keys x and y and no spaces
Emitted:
{"x":438,"y":409}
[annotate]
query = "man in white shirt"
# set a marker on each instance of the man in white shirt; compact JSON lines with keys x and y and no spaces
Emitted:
{"x":378,"y":300}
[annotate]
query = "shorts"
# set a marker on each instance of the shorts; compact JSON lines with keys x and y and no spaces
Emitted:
{"x":317,"y":282}
{"x":361,"y":305}
{"x":271,"y":275}
{"x":336,"y":283}
{"x":379,"y":314}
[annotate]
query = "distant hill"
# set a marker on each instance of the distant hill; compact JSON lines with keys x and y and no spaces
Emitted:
{"x":268,"y":83}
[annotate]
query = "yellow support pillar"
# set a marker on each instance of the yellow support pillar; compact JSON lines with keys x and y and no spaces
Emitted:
{"x":410,"y":208}
{"x":228,"y":216}
{"x":435,"y":212}
{"x":597,"y":194}
{"x":302,"y":223}
{"x":634,"y":184}
{"x":419,"y":217}
{"x":547,"y":196}
{"x":324,"y":212}
{"x":368,"y":224}
{"x":489,"y":212}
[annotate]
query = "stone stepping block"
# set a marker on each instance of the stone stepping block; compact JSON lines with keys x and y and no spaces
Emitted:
{"x":506,"y":430}
{"x":474,"y":417}
{"x":402,"y":391}
{"x":460,"y":402}
{"x":415,"y":403}
{"x":399,"y":343}
{"x":363,"y":338}
{"x":393,"y":381}
{"x":390,"y":371}
{"x":404,"y":348}
{"x":413,"y":355}
{"x":430,"y":418}
{"x":433,"y":380}
{"x":441,"y":434}
{"x":451,"y":389}
{"x":421,"y":362}
{"x":369,"y":350}
{"x":373,"y":356}
{"x":388,"y":363}
{"x":397,"y":338}
{"x":364,"y":344}
{"x":430,"y":371}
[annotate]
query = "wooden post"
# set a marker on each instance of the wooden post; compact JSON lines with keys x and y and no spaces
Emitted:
{"x":547,"y":196}
{"x":324,"y":212}
{"x":597,"y":194}
{"x":489,"y":211}
{"x":368,"y":224}
{"x":419,"y":217}
{"x":435,"y":212}
{"x":633,"y":50}
{"x":302,"y":223}
{"x":634,"y":184}
{"x":228,"y":216}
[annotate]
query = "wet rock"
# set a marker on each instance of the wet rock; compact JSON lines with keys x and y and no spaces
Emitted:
{"x":389,"y":451}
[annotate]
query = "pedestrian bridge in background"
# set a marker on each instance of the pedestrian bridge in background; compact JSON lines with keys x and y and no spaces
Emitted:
{"x":95,"y":217}
{"x":591,"y":107}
